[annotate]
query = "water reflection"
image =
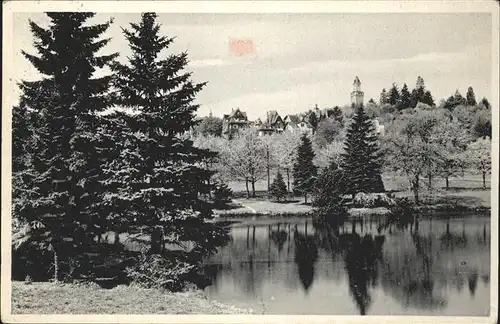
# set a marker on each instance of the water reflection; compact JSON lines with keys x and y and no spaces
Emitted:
{"x":360,"y":260}
{"x":363,"y":267}
{"x":306,"y":254}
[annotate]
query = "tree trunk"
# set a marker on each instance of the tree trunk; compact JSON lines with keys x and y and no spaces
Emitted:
{"x":209,"y":189}
{"x":288,"y":178}
{"x":268,"y":171}
{"x":484,"y":180}
{"x":253,"y":187}
{"x":447,"y":182}
{"x":56,"y":264}
{"x":157,"y":240}
{"x":415,"y":189}
{"x":246,"y":185}
{"x":429,"y":180}
{"x":305,"y":198}
{"x":117,"y":238}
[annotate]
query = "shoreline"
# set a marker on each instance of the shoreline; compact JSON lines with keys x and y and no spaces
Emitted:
{"x":452,"y":204}
{"x":67,"y":298}
{"x":421,"y":211}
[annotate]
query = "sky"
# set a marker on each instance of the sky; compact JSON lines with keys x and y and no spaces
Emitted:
{"x":303,"y":60}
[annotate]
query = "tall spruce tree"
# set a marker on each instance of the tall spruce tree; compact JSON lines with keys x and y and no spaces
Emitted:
{"x":362,"y":159}
{"x":485,"y":103}
{"x":313,"y":120}
{"x":471,"y":97}
{"x":384,"y":97}
{"x":63,"y":189}
{"x":405,"y":97}
{"x":169,"y":175}
{"x":121,"y":160}
{"x":427,"y":99}
{"x":417,"y":94}
{"x":394,"y":96}
{"x":304,"y":171}
{"x":459,"y":99}
{"x":23,"y":125}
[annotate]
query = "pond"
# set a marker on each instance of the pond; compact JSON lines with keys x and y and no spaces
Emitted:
{"x":438,"y":267}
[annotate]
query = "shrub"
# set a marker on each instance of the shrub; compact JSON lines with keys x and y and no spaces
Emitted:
{"x":373,"y":200}
{"x":157,"y":271}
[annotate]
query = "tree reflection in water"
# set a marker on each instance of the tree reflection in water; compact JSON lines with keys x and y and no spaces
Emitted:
{"x":279,"y":237}
{"x":360,"y":255}
{"x":408,"y":274}
{"x":306,"y":254}
{"x":414,"y":265}
{"x":360,"y":263}
{"x":472,"y":280}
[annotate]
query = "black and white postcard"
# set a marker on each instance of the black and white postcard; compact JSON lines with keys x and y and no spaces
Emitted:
{"x":250,"y":162}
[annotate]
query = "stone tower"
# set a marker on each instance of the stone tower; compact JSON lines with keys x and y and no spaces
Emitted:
{"x":356,"y":94}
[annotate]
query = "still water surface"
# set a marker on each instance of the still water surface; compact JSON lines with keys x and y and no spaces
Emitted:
{"x":440,"y":267}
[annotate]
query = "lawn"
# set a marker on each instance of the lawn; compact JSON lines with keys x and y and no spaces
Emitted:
{"x":391,"y":182}
{"x":50,"y":298}
{"x":266,"y":207}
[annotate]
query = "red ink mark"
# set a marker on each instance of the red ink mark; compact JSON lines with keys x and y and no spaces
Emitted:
{"x":240,"y":47}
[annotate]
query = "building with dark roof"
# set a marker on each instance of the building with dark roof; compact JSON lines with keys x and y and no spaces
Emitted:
{"x":233,"y":122}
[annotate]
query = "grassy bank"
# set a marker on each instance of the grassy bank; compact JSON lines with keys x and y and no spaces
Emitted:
{"x":50,"y":298}
{"x":465,"y":200}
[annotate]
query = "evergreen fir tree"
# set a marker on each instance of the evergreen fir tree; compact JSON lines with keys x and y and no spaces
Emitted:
{"x":361,"y":161}
{"x":121,"y":160}
{"x":394,"y":96}
{"x":63,"y":187}
{"x":168,"y":176}
{"x":384,"y":97}
{"x":485,"y":103}
{"x":304,"y":171}
{"x":277,"y":189}
{"x":450,"y":103}
{"x":458,"y":98}
{"x":23,"y":125}
{"x":417,"y":94}
{"x":405,"y":97}
{"x":471,"y":97}
{"x":313,"y":120}
{"x":427,"y":99}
